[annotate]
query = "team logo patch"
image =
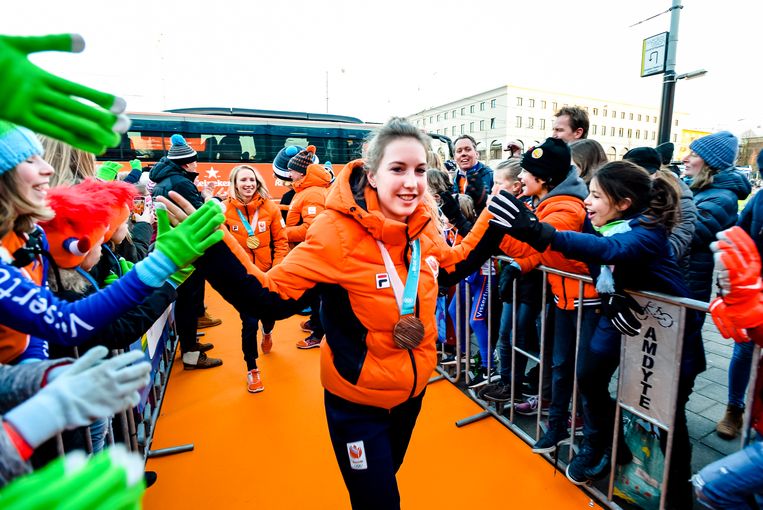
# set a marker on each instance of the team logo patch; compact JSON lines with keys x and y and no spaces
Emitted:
{"x":357,"y":453}
{"x":433,"y":264}
{"x":312,"y":210}
{"x":382,"y":281}
{"x":537,"y":153}
{"x":234,"y":228}
{"x":263,"y":226}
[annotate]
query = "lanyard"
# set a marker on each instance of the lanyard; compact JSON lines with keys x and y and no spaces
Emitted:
{"x":87,"y":277}
{"x":405,"y":297}
{"x":247,"y":225}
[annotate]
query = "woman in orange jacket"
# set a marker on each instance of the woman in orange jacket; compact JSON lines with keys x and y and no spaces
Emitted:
{"x":255,"y":222}
{"x":375,"y":256}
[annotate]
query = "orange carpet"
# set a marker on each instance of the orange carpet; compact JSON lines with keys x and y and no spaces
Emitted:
{"x":272,"y":451}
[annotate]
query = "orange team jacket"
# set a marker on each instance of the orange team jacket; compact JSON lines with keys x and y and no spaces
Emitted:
{"x":359,"y":359}
{"x":309,"y":200}
{"x":13,"y":343}
{"x":268,"y":228}
{"x":563,"y":212}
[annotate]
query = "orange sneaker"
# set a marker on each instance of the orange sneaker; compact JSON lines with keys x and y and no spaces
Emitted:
{"x":267,"y":342}
{"x":310,"y":342}
{"x":253,"y":381}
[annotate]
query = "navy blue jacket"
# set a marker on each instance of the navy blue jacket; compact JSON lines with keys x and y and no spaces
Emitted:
{"x":642,"y":260}
{"x":751,"y":220}
{"x":169,"y":176}
{"x":477,"y":183}
{"x":717,"y":209}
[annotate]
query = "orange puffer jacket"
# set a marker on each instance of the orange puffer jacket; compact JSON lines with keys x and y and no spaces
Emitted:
{"x":268,"y":228}
{"x":341,"y":259}
{"x":308,"y":202}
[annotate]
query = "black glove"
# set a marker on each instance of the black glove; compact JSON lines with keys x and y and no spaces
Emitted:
{"x":519,"y":222}
{"x":619,"y":309}
{"x":475,"y":188}
{"x":509,"y":273}
{"x":450,"y":208}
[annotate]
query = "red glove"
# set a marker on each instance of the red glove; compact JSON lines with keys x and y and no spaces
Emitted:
{"x":738,"y":264}
{"x":726,"y":325}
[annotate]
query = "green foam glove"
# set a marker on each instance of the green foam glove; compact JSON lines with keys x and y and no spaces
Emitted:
{"x":135,"y":164}
{"x":181,"y":275}
{"x":113,"y":476}
{"x":125,"y":265}
{"x":189,"y":240}
{"x":50,"y":105}
{"x":108,"y":171}
{"x":111,"y":278}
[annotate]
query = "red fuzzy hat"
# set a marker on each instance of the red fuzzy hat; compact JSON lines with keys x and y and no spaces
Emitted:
{"x":81,"y":221}
{"x":117,"y":195}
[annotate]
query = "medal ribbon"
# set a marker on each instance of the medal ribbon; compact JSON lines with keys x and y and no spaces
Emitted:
{"x":405,"y":297}
{"x":247,"y":225}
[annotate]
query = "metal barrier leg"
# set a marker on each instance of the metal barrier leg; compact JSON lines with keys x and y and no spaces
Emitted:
{"x":472,"y":419}
{"x":170,"y":451}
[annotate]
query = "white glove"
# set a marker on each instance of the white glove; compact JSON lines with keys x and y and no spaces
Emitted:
{"x":89,"y":389}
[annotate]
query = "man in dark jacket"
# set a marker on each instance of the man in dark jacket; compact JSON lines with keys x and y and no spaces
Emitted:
{"x":176,"y":172}
{"x":473,"y":178}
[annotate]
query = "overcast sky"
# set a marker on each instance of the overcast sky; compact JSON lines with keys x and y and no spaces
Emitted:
{"x":397,"y":57}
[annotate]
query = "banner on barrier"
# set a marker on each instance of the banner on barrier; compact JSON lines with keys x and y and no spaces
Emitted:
{"x":152,"y":344}
{"x":650,"y":361}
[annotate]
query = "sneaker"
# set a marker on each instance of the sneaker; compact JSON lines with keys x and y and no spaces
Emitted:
{"x":481,"y":378}
{"x":306,"y":326}
{"x":530,"y":389}
{"x":253,"y":381}
{"x":309,"y":343}
{"x":204,"y":347}
{"x":197,"y":360}
{"x":530,"y":406}
{"x":267,"y":342}
{"x":550,"y":440}
{"x":731,"y":423}
{"x":488,"y":388}
{"x":502,"y":393}
{"x":207,"y":321}
{"x":587,"y":460}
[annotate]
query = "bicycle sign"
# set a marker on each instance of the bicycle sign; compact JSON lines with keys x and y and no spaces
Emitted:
{"x":652,"y":309}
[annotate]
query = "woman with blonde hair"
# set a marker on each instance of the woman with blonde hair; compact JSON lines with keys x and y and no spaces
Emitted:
{"x":588,"y":155}
{"x":71,"y":165}
{"x":256,"y":223}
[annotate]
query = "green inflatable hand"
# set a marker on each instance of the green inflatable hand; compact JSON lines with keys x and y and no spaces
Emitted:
{"x":108,"y":170}
{"x":50,"y":105}
{"x":76,"y":482}
{"x":135,"y":164}
{"x":189,"y":240}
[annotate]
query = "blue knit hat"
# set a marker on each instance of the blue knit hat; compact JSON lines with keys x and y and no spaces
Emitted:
{"x":281,"y":163}
{"x":17,"y":144}
{"x":718,"y":150}
{"x":180,"y":152}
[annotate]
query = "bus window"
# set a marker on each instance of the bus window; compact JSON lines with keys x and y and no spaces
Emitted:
{"x":229,"y":148}
{"x":208,"y":150}
{"x":146,"y":145}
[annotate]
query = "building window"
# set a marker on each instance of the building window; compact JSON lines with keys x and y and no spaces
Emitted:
{"x":530,"y":123}
{"x":492,"y":123}
{"x":531,"y":103}
{"x":462,"y":128}
{"x":630,"y":133}
{"x":593,"y":129}
{"x":453,"y":114}
{"x":654,"y":119}
{"x":445,"y":115}
{"x":453,"y":130}
{"x":675,"y":138}
{"x":620,"y":132}
{"x":492,"y":103}
{"x":519,"y":121}
{"x":595,"y":111}
{"x":519,"y":101}
{"x":482,"y":125}
{"x":554,"y":106}
{"x":676,"y":122}
{"x":482,"y":106}
{"x":612,"y":131}
{"x":542,"y":125}
{"x":604,"y":112}
{"x":431,"y":119}
{"x":654,"y":135}
{"x":631,"y":116}
{"x":622,"y":115}
{"x":438,"y":117}
{"x":463,"y":111}
{"x":639,"y":117}
{"x":638,"y":134}
{"x":614,"y":114}
{"x":647,"y":118}
{"x":471,"y":127}
{"x":543,"y":104}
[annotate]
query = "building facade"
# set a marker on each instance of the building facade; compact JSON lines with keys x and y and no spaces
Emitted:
{"x":508,"y":113}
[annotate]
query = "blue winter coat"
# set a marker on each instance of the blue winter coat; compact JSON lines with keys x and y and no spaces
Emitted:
{"x":751,"y":220}
{"x":642,"y":260}
{"x":717,"y":209}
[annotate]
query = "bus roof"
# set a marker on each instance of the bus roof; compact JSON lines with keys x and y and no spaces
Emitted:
{"x":270,"y":114}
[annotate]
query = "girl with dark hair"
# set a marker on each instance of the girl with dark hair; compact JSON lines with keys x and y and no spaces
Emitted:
{"x":633,"y":215}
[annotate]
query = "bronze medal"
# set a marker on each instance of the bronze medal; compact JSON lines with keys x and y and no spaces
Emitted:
{"x":408,"y":332}
{"x":252,"y":242}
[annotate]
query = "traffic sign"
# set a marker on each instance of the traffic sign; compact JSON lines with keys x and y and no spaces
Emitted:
{"x":653,"y":54}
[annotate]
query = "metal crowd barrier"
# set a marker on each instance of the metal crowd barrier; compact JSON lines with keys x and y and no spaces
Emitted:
{"x":657,"y":408}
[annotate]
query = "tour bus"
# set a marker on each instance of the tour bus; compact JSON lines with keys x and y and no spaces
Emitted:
{"x":226,"y":137}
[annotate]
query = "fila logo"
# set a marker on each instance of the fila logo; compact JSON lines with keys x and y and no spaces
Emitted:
{"x":357,"y":453}
{"x":382,"y":281}
{"x":234,"y":228}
